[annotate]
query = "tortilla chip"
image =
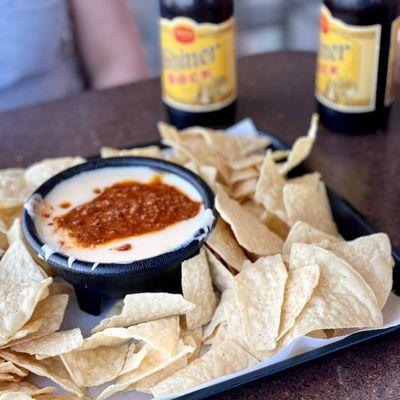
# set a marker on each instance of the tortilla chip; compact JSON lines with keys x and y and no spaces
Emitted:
{"x":15,"y":231}
{"x":8,"y":215}
{"x":244,"y":188}
{"x":301,"y":148}
{"x":4,"y":377}
{"x":308,"y":202}
{"x":231,"y":329}
{"x":145,"y":307}
{"x":13,"y":189}
{"x":206,"y":172}
{"x":51,"y":368}
{"x":222,"y":360}
{"x":147,"y":151}
{"x":9,"y":378}
{"x":195,"y":149}
{"x":50,"y":313}
{"x":206,"y":133}
{"x":250,"y":144}
{"x":227,"y":145}
{"x":51,"y":310}
{"x":299,"y":288}
{"x":58,"y":396}
{"x":15,"y":396}
{"x":146,"y":384}
{"x":203,"y":156}
{"x":197,"y":288}
{"x":218,"y":141}
{"x":275,"y":224}
{"x":59,"y":286}
{"x":223,"y":243}
{"x":51,"y":345}
{"x":269,"y":189}
{"x":302,"y":232}
{"x":192,"y":338}
{"x":176,"y":157}
{"x":17,"y":266}
{"x":108,"y":337}
{"x":371,"y":257}
{"x":250,"y":232}
{"x":10,"y":374}
{"x":218,"y":336}
{"x":7,"y":367}
{"x":319,"y":334}
{"x":168,"y":133}
{"x":43,"y":170}
{"x":242,"y":175}
{"x":279,"y":155}
{"x":209,"y":174}
{"x":95,"y":366}
{"x":135,"y":356}
{"x":18,"y":303}
{"x":221,"y":313}
{"x":246,"y":162}
{"x":221,"y":277}
{"x":3,"y":238}
{"x":342,"y":298}
{"x":257,"y":209}
{"x":27,"y":329}
{"x":25,"y":387}
{"x":154,"y":361}
{"x":259,"y":291}
{"x":161,"y":334}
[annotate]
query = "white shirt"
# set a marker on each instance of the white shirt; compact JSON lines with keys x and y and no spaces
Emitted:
{"x":37,"y":59}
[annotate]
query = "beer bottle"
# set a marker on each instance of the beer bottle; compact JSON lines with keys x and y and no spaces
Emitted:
{"x":198,"y":76}
{"x":356,"y":64}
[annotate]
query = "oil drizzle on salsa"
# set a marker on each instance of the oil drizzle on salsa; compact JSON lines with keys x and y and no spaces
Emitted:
{"x":126,"y":209}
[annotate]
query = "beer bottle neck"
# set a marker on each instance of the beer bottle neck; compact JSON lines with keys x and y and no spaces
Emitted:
{"x":214,"y":11}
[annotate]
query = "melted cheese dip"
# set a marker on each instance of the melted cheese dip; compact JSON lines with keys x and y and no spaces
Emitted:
{"x":88,"y":187}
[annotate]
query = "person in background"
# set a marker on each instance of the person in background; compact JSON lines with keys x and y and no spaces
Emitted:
{"x":53,"y":48}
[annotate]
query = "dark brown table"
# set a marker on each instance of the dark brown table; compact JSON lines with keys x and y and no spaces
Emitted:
{"x":276,"y":91}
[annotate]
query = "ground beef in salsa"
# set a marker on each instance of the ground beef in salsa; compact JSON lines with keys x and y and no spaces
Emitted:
{"x":127,"y":209}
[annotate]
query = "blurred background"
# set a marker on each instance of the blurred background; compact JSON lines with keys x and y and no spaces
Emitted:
{"x":55,"y":48}
{"x":262,"y":25}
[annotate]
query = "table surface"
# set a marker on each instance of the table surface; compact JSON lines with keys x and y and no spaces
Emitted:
{"x":276,"y":91}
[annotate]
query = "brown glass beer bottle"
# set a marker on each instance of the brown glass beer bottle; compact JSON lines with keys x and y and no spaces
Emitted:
{"x":356,"y":64}
{"x":199,"y":85}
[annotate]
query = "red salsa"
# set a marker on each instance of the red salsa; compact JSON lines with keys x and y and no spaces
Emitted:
{"x":126,"y":209}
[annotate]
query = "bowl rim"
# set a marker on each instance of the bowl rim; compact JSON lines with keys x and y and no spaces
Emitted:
{"x":155,"y":263}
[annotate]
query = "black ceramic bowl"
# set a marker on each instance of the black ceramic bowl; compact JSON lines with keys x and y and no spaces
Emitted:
{"x":159,"y":273}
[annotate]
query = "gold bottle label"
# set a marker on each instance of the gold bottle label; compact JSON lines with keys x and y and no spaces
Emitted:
{"x":347,"y":65}
{"x":393,"y":63}
{"x":198,"y":64}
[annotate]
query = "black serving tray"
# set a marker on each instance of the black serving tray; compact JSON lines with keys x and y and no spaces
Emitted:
{"x":351,"y":224}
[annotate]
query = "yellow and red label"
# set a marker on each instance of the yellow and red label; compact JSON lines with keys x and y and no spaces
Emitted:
{"x":347,"y":65}
{"x":198,"y":64}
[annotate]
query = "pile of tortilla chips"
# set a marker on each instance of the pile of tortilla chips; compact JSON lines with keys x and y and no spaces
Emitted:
{"x":273,"y":269}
